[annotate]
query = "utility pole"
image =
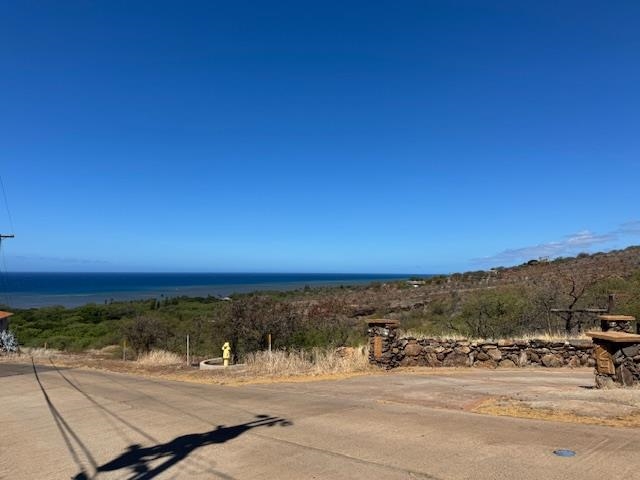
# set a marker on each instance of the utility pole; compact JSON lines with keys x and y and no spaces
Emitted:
{"x":2,"y":237}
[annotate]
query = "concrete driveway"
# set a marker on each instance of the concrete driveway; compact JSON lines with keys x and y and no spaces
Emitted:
{"x":69,"y":423}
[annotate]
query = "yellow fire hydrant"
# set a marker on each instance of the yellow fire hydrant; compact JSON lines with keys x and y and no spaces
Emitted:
{"x":226,"y":353}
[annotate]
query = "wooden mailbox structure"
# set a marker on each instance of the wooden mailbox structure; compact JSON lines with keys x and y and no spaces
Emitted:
{"x":617,"y":351}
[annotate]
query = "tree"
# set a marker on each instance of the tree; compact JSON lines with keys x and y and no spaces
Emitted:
{"x":494,"y":313}
{"x":143,"y":333}
{"x":572,"y":287}
{"x":253,"y":317}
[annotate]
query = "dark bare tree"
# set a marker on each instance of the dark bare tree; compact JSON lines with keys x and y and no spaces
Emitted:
{"x":572,"y":287}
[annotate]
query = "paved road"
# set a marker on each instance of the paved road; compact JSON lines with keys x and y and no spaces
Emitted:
{"x":67,"y":423}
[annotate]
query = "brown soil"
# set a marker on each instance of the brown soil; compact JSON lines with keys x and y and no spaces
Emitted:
{"x":507,"y":407}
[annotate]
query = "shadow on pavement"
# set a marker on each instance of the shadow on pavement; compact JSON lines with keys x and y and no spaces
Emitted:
{"x":68,"y":434}
{"x":137,"y":459}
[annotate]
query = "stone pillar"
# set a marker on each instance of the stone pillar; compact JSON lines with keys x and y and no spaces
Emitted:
{"x":382,"y":335}
{"x":617,"y":356}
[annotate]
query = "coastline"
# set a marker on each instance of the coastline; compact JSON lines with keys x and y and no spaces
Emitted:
{"x":86,"y":295}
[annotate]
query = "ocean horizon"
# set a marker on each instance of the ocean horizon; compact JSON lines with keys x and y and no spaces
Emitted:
{"x":73,"y":289}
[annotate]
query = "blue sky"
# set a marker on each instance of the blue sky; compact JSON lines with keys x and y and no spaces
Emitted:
{"x":317,"y":136}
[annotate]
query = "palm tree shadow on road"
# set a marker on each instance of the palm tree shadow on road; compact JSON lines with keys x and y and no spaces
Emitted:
{"x":138,"y":459}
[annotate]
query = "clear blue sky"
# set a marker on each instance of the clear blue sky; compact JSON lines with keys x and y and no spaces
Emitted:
{"x":317,"y":136}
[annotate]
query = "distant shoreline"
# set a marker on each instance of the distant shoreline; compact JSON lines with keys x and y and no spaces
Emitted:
{"x":35,"y":290}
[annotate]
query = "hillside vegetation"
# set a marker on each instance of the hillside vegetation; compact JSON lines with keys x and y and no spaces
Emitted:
{"x":502,"y":302}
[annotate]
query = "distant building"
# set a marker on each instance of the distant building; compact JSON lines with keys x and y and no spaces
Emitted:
{"x":4,"y":320}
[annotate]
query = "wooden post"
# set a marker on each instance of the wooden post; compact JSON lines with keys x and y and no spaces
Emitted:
{"x":269,"y":339}
{"x":124,"y":350}
{"x":611,"y":303}
{"x":188,"y":350}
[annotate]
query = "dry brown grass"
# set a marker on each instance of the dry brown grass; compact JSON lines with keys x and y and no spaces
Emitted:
{"x":159,"y":357}
{"x":513,"y":408}
{"x":315,"y":362}
{"x":549,"y":337}
{"x":36,"y":352}
{"x":555,"y":337}
{"x":114,"y":351}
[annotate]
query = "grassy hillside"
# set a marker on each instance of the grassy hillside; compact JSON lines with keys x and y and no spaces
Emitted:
{"x":500,"y":302}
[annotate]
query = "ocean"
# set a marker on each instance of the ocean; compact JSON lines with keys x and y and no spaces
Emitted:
{"x":26,"y":290}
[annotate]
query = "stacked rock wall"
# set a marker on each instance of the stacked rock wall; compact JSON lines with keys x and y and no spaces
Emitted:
{"x":410,"y":351}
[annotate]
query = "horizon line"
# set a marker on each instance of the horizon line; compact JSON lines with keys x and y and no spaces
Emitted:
{"x":216,"y":272}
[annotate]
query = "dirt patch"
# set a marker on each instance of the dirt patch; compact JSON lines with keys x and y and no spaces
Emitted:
{"x":241,"y":378}
{"x":440,"y":371}
{"x":508,"y":407}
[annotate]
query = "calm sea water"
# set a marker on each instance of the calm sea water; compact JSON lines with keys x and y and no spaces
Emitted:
{"x":22,"y":290}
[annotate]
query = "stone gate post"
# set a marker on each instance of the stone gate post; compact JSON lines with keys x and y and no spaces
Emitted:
{"x":382,"y":335}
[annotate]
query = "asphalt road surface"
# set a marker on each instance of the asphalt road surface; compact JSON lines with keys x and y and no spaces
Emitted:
{"x":69,"y":423}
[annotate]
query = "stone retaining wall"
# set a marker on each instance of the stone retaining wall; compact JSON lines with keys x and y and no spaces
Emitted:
{"x":389,"y":351}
